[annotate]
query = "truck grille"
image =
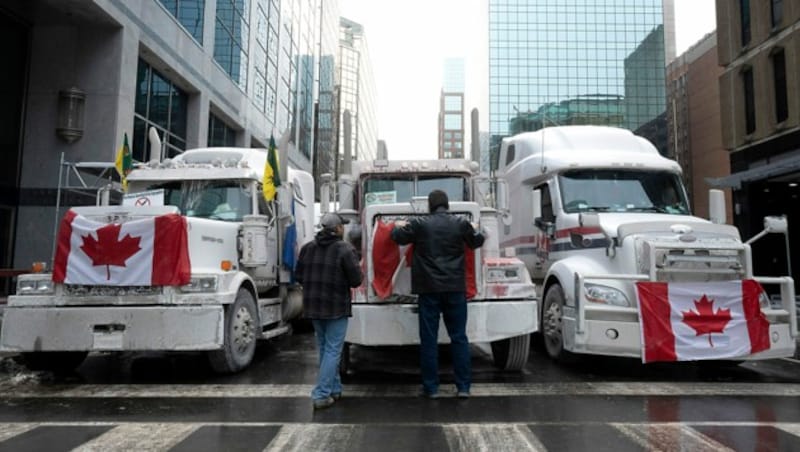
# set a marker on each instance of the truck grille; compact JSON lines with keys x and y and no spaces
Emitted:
{"x":692,"y":264}
{"x":80,"y":290}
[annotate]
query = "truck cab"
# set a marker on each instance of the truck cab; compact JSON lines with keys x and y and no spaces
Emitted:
{"x":501,"y":297}
{"x":596,"y":210}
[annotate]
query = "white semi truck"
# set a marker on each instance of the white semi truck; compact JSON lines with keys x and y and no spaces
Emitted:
{"x":502,"y":308}
{"x":237,"y":288}
{"x":597,"y":209}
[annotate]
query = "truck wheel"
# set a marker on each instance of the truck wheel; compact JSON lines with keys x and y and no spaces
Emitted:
{"x":58,"y":362}
{"x":553,"y":324}
{"x":511,"y":353}
{"x":241,"y":330}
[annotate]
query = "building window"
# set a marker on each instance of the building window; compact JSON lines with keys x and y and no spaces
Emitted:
{"x":744,"y":13}
{"x":219,"y":134}
{"x":779,"y":79}
{"x":749,"y":102}
{"x":162,"y":105}
{"x":776,"y":10}
{"x":231,"y":37}
{"x":189,"y":13}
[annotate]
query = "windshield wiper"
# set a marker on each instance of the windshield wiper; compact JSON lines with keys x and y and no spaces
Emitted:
{"x":647,"y":209}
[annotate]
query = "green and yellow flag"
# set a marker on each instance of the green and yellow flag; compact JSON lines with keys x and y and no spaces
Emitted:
{"x":124,"y":162}
{"x":272,"y":176}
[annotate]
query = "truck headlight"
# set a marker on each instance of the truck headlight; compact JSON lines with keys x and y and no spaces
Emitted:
{"x":201,"y":284}
{"x":40,"y":284}
{"x":606,"y":295}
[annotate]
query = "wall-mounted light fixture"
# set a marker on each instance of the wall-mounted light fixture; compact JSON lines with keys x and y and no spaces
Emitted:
{"x":70,"y":114}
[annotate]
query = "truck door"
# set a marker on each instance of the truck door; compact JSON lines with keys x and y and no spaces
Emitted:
{"x":543,"y":231}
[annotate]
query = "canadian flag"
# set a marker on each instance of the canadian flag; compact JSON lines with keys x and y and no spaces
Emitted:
{"x":150,"y":251}
{"x":694,"y":321}
{"x":386,"y":262}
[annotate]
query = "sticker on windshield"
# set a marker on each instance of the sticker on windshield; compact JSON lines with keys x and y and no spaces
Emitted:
{"x":381,"y":197}
{"x":144,"y":198}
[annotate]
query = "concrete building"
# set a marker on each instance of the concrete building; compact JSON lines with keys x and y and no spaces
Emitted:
{"x":357,"y":93}
{"x":588,"y":61}
{"x":758,"y":46}
{"x":451,"y":110}
{"x":81,"y":74}
{"x":695,"y":138}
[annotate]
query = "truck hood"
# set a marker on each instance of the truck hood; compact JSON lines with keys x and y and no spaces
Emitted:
{"x":620,"y":225}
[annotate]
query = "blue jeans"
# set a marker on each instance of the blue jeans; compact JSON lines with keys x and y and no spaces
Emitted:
{"x":330,"y":339}
{"x":453,"y":308}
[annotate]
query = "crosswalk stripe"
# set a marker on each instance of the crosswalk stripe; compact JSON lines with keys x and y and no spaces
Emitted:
{"x":490,"y":437}
{"x":665,"y":437}
{"x":792,"y":428}
{"x":306,"y":437}
{"x":478,"y":390}
{"x":10,"y":430}
{"x":147,"y":436}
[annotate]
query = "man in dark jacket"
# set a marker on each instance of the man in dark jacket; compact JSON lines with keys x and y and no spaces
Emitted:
{"x":438,"y":277}
{"x":327,"y":267}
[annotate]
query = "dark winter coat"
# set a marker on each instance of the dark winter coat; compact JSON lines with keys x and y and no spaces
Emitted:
{"x":327,"y":267}
{"x":439,"y":239}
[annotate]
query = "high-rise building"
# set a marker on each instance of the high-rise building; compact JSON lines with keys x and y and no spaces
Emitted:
{"x":451,"y":110}
{"x":223,"y":72}
{"x":327,"y":119}
{"x":695,"y":138}
{"x":579,"y":62}
{"x":758,"y":44}
{"x":357,"y":95}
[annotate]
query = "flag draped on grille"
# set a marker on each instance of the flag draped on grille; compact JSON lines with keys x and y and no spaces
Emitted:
{"x":695,"y":321}
{"x":272,"y":176}
{"x":144,"y":252}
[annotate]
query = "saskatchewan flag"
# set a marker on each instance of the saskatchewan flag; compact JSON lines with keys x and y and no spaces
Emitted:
{"x":124,"y":163}
{"x":272,"y":176}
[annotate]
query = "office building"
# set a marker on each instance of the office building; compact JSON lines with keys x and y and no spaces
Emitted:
{"x":80,"y":75}
{"x":357,"y":96}
{"x":694,"y":122}
{"x":759,"y":49}
{"x":451,"y":110}
{"x":579,"y":62}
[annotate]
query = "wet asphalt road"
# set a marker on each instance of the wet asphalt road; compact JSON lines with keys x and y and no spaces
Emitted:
{"x":175,"y":402}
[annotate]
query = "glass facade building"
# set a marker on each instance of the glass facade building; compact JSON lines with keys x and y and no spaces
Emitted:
{"x":327,"y":121}
{"x":357,"y":93}
{"x":562,"y":62}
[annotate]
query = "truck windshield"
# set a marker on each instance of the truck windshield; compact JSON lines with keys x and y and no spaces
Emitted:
{"x":218,"y":200}
{"x":622,"y":191}
{"x":385,"y":189}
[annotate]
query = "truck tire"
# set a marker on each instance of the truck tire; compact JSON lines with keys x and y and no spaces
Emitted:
{"x":552,"y":324}
{"x":241,"y":331}
{"x":58,"y":362}
{"x":511,"y":353}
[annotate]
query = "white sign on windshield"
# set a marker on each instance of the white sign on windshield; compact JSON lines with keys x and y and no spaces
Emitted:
{"x":144,"y":198}
{"x":381,"y":197}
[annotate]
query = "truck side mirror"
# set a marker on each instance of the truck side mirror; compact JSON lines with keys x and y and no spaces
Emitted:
{"x":502,"y":201}
{"x":537,"y":204}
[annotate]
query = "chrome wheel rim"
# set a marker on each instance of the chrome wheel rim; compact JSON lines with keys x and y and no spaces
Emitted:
{"x":243,"y":331}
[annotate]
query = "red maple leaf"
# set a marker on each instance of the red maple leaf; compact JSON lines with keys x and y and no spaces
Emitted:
{"x":107,"y":250}
{"x":705,"y":320}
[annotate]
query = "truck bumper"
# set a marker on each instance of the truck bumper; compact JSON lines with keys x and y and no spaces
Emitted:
{"x":397,"y":324}
{"x":606,"y":337}
{"x":174,"y":328}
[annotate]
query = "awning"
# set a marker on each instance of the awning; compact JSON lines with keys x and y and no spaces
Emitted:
{"x":773,"y":169}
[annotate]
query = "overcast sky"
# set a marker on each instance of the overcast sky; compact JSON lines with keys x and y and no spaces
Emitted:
{"x":408,"y":42}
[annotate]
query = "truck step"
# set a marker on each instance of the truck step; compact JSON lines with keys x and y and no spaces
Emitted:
{"x":282,"y":329}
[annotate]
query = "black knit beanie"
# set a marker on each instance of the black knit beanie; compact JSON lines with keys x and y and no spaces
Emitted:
{"x":437,"y":198}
